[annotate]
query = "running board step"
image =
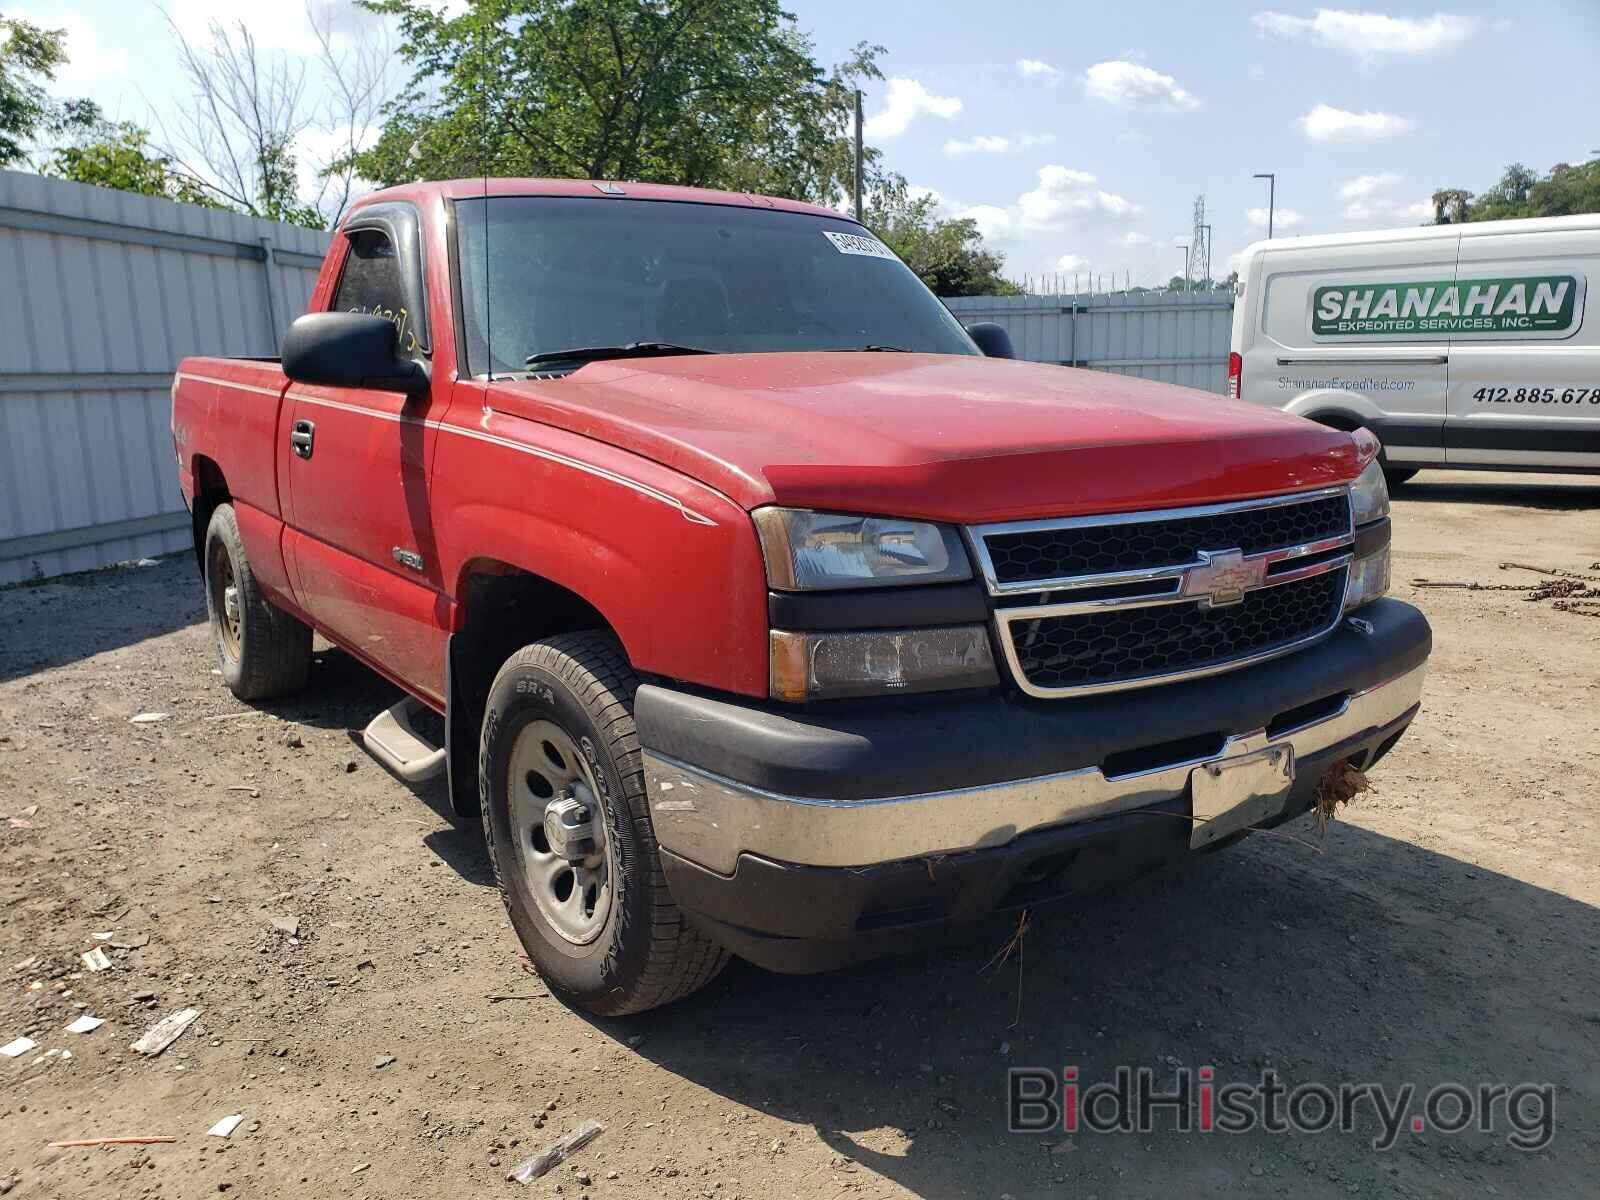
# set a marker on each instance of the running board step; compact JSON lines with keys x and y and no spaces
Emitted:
{"x":394,"y":741}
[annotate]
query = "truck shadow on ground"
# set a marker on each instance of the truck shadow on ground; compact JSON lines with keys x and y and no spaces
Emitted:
{"x":1377,"y":960}
{"x":1488,"y":489}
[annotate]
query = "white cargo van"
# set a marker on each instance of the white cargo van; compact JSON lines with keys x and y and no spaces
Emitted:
{"x":1458,"y":345}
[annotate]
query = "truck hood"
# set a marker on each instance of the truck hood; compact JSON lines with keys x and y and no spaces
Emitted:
{"x":943,"y":437}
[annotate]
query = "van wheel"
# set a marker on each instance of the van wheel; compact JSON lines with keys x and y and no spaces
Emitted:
{"x":568,"y":828}
{"x":263,"y":651}
{"x":1395,"y":476}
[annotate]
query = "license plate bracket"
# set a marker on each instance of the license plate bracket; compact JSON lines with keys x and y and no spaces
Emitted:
{"x":1232,"y":793}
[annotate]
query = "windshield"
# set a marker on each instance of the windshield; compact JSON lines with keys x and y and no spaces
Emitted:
{"x":542,"y":274}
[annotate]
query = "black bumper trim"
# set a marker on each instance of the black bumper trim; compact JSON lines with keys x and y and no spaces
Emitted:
{"x":883,"y":748}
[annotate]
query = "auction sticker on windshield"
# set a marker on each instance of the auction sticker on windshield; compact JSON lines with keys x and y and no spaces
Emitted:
{"x":1528,"y":307}
{"x":854,"y":243}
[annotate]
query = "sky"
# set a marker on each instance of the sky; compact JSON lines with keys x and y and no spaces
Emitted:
{"x":1079,"y":134}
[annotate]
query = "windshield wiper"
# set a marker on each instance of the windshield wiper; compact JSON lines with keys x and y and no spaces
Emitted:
{"x":870,"y":349}
{"x":584,"y":354}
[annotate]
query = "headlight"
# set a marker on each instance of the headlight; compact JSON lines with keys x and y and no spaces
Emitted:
{"x":1369,"y":495}
{"x":1369,"y":579}
{"x":832,"y":666}
{"x":816,"y":551}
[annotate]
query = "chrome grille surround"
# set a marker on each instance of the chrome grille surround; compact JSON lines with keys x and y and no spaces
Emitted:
{"x":1020,"y":601}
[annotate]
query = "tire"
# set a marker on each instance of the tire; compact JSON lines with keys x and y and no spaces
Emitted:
{"x":615,"y":943}
{"x":263,"y":651}
{"x":1395,"y":476}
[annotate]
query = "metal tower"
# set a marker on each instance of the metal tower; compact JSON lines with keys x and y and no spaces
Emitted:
{"x":1200,"y":244}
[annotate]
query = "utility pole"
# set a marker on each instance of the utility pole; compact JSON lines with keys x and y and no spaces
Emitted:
{"x":1185,"y":250}
{"x":1272,"y":195}
{"x":1208,"y":255}
{"x":860,"y":216}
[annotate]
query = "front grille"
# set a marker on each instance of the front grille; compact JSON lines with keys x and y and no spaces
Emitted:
{"x":1115,"y":646}
{"x":1069,"y":549}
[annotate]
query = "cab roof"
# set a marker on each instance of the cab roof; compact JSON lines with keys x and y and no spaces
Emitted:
{"x":464,"y":189}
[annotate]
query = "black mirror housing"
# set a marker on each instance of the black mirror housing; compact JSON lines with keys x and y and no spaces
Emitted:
{"x":992,"y":339}
{"x":355,"y":350}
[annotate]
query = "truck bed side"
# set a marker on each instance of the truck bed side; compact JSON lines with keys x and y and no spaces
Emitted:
{"x":226,"y":419}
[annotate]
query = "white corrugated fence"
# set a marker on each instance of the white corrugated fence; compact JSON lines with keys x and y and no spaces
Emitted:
{"x":101,"y":294}
{"x":1175,"y":337}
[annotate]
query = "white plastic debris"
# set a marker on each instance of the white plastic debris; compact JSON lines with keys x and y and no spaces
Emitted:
{"x":147,"y":718}
{"x":226,"y":1126}
{"x":21,"y":1046}
{"x":165,"y":1031}
{"x":86,"y":1024}
{"x":554,"y":1155}
{"x":96,"y":960}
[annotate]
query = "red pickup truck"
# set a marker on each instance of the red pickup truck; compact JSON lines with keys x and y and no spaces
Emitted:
{"x":768,"y":610}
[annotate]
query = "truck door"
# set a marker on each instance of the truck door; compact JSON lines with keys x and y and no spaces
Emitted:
{"x":1525,"y":384}
{"x":1337,"y":343}
{"x":364,"y":554}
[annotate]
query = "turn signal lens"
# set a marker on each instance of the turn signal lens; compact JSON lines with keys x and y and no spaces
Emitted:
{"x":833,"y":666}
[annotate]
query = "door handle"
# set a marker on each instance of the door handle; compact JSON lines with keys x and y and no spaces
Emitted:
{"x":301,"y":436}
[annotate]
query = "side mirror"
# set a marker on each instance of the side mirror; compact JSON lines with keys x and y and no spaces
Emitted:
{"x":992,"y":339}
{"x":354,"y":350}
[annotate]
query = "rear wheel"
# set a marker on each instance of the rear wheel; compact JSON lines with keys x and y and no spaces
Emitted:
{"x":262,"y":651}
{"x":569,"y":834}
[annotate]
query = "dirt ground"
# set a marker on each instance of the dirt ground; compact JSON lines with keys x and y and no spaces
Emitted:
{"x":1447,"y":930}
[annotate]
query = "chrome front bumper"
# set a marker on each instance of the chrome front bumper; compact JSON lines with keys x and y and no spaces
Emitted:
{"x":711,"y":820}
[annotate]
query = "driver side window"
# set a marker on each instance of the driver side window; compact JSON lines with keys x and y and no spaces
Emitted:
{"x":370,"y":283}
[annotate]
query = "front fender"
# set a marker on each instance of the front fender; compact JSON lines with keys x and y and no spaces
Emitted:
{"x":672,"y":565}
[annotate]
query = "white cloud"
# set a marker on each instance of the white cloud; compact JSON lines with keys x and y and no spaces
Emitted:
{"x":1371,"y":35}
{"x":89,"y":61}
{"x":993,"y":221}
{"x":1071,"y":262}
{"x":1063,"y":194}
{"x":1282,"y":218}
{"x":276,"y":24}
{"x":1324,"y":123}
{"x":907,"y":101}
{"x":1134,"y":239}
{"x":998,"y":143}
{"x":1033,"y":68}
{"x":1371,"y":201}
{"x":1368,"y":185}
{"x":1130,"y":85}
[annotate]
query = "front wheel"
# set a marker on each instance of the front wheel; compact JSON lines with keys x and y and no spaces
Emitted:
{"x":568,"y":828}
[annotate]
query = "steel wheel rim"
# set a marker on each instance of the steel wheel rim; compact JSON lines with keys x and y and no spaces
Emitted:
{"x":573,"y":894}
{"x":225,"y":600}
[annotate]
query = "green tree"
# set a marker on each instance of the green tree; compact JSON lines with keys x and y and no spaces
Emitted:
{"x":710,"y":93}
{"x":947,"y":254}
{"x":120,"y":156}
{"x":1563,"y":191}
{"x":29,"y":59}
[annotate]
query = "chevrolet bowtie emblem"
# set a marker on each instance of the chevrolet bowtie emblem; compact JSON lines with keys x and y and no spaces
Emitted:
{"x":1223,"y":577}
